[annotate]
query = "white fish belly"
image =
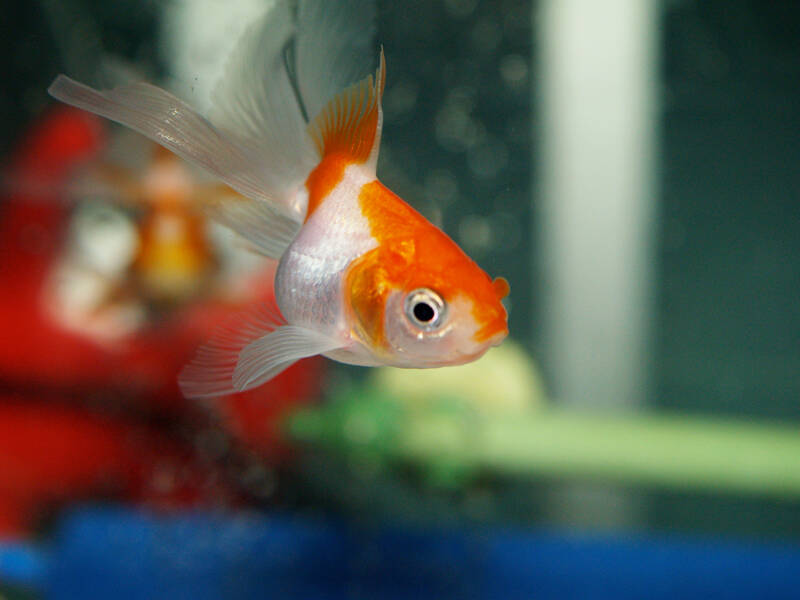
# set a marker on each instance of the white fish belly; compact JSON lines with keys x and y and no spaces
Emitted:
{"x":308,"y":283}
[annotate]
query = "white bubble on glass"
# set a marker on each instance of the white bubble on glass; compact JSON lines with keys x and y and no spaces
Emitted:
{"x":487,"y":159}
{"x":460,"y":8}
{"x":400,"y":100}
{"x":475,"y":233}
{"x":486,"y":35}
{"x":441,"y":187}
{"x":514,"y":70}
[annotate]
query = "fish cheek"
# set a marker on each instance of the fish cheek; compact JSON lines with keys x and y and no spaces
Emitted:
{"x":367,"y":285}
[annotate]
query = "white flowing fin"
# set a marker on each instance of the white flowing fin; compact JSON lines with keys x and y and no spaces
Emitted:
{"x":168,"y":121}
{"x":255,"y":102}
{"x":165,"y":119}
{"x":334,"y":48}
{"x":266,"y":357}
{"x":268,"y":231}
{"x":249,"y":351}
{"x":210,"y":373}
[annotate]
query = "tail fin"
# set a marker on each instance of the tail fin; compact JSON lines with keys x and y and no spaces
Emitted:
{"x":256,"y":139}
{"x":255,"y":102}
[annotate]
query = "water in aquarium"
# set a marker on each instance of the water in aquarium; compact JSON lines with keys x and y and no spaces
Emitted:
{"x":394,"y":299}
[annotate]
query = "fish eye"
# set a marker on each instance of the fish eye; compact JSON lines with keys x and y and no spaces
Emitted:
{"x":425,"y":309}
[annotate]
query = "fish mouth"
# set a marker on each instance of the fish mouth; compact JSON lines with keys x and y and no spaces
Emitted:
{"x":497,"y":338}
{"x":467,"y":357}
{"x":493,"y":333}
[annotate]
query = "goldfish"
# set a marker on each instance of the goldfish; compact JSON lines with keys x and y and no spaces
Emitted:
{"x":362,"y":277}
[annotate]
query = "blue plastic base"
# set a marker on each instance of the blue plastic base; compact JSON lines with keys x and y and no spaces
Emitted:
{"x":119,"y":554}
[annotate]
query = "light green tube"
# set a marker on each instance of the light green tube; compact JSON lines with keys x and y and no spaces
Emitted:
{"x":671,"y":452}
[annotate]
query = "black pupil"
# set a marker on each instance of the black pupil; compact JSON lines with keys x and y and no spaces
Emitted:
{"x":423,"y":312}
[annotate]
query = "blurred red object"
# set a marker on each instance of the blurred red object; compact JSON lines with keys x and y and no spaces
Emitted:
{"x":55,"y":450}
{"x":31,"y":229}
{"x":51,"y":453}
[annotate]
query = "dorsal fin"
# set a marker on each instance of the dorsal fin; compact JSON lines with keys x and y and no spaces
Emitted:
{"x":349,"y":126}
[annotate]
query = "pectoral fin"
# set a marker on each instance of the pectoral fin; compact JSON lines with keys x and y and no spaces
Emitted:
{"x":264,"y":358}
{"x":249,"y":351}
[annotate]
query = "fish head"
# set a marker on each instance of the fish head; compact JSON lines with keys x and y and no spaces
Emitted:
{"x":422,"y":302}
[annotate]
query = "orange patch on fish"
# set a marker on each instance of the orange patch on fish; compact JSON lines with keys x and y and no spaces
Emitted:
{"x":323,"y":179}
{"x":368,"y":282}
{"x":345,"y":133}
{"x":501,"y":287}
{"x":413,"y":253}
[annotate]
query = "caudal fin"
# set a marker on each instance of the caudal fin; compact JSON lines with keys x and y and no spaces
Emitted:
{"x":255,"y":102}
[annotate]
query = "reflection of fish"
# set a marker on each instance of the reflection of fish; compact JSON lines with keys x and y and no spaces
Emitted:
{"x":174,"y":256}
{"x":363,"y":278}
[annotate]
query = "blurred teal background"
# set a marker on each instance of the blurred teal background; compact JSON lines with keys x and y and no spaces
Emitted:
{"x":691,"y":310}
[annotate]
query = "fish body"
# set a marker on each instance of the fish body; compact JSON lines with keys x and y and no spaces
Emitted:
{"x":310,"y":279}
{"x":362,"y":277}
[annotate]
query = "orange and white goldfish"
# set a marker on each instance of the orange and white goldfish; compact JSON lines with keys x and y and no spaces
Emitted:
{"x":362,"y":277}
